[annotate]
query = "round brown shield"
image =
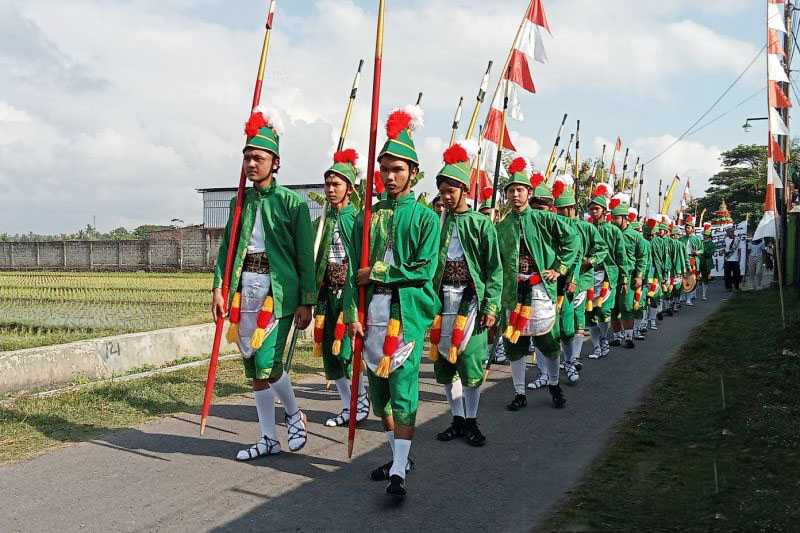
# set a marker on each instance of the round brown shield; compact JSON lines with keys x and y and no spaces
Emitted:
{"x":689,"y":283}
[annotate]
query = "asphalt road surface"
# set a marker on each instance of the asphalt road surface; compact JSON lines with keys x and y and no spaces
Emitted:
{"x":165,"y":476}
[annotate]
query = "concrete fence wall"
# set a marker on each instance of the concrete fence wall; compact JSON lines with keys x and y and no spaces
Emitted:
{"x":184,"y":254}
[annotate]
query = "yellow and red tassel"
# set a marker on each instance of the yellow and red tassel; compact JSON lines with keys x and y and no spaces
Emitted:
{"x":338,"y":335}
{"x":262,"y":321}
{"x":512,"y":321}
{"x":436,"y":337}
{"x":457,"y":338}
{"x":653,"y":287}
{"x":522,"y":321}
{"x":390,"y":345}
{"x":637,"y":299}
{"x":319,"y":334}
{"x":589,"y":300}
{"x":560,"y":302}
{"x":235,"y":316}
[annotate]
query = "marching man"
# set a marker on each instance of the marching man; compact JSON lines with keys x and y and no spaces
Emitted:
{"x":609,"y":276}
{"x":592,"y":252}
{"x":538,"y":247}
{"x":273,"y":273}
{"x":469,"y":277}
{"x":694,"y":249}
{"x":629,"y":297}
{"x":401,"y":300}
{"x":335,"y":261}
{"x":706,"y":259}
{"x":680,"y":267}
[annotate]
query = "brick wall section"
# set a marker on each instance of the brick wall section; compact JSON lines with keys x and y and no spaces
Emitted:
{"x":197,"y":253}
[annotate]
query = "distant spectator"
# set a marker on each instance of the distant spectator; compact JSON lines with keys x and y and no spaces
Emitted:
{"x":732,"y":255}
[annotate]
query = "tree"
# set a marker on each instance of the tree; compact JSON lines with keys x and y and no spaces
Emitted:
{"x":742,"y":182}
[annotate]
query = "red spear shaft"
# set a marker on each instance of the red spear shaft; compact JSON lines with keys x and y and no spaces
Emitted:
{"x":358,"y":344}
{"x":234,"y":235}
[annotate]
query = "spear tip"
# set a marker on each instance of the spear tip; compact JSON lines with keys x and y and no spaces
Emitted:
{"x":350,"y":443}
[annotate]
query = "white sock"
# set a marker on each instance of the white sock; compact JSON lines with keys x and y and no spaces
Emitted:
{"x":265,"y":407}
{"x":703,"y":286}
{"x":518,"y":375}
{"x":551,"y":367}
{"x":629,"y":334}
{"x":566,"y":350}
{"x":400,"y":457}
{"x":472,"y":397}
{"x":604,"y":331}
{"x":362,"y":389}
{"x":390,"y":440}
{"x":652,"y":312}
{"x":284,"y":391}
{"x":455,"y":397}
{"x":577,"y":346}
{"x":343,"y":386}
{"x":597,"y":336}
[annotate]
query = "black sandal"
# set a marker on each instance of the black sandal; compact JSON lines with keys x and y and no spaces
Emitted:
{"x":473,"y":434}
{"x":382,"y":472}
{"x":455,"y":430}
{"x":519,"y":401}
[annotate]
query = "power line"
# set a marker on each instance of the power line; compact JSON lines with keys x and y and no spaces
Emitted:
{"x":711,"y":108}
{"x":726,"y":113}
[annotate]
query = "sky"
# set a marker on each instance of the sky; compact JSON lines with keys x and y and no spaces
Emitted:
{"x":117,"y":110}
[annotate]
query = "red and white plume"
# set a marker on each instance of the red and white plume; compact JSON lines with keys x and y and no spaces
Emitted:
{"x":377,"y":181}
{"x":461,"y":152}
{"x":348,"y":155}
{"x":263,"y":116}
{"x":410,"y":117}
{"x":537,"y":178}
{"x":519,"y":164}
{"x":602,"y":189}
{"x":619,"y":198}
{"x":633,"y":214}
{"x":561,"y":183}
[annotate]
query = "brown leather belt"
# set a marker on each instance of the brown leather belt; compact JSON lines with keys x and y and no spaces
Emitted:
{"x":257,"y":263}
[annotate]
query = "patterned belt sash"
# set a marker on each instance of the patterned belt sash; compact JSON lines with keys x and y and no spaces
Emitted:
{"x":258,"y":263}
{"x":456,"y":274}
{"x":336,"y":276}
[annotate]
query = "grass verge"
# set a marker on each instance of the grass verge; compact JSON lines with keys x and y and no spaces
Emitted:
{"x":31,"y":426}
{"x":682,"y":461}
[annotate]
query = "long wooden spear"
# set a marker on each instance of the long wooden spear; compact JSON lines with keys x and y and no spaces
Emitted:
{"x":365,"y":234}
{"x":621,"y":185}
{"x":498,"y":161}
{"x":456,"y":120}
{"x":473,"y":120}
{"x":551,"y":160}
{"x":659,"y":195}
{"x":293,"y":333}
{"x":568,"y":150}
{"x":635,"y":175}
{"x":234,"y":233}
{"x":641,"y":188}
{"x":476,"y":171}
{"x":577,"y":161}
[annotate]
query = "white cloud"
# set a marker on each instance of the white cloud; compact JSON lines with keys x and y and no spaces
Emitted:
{"x":125,"y":107}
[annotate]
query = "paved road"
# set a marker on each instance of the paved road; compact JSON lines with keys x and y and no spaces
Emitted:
{"x":164,"y":476}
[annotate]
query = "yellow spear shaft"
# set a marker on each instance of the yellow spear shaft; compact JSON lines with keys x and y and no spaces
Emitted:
{"x":552,"y":160}
{"x":473,"y":120}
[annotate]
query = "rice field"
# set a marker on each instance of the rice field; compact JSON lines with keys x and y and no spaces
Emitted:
{"x":42,"y":308}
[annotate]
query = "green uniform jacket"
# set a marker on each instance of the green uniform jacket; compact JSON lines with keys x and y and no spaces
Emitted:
{"x":680,"y":261}
{"x":593,"y":248}
{"x":648,"y":261}
{"x":551,"y":241}
{"x":707,"y":258}
{"x":616,"y":262}
{"x":415,"y":231}
{"x":344,"y":218}
{"x":636,"y":253}
{"x":482,"y":254}
{"x":289,"y":242}
{"x":661,"y":258}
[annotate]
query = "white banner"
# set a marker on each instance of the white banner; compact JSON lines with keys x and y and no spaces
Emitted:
{"x":718,"y":236}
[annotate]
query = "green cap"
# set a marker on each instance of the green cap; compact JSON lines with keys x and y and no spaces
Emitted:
{"x":600,"y":195}
{"x":458,"y":162}
{"x":519,"y":174}
{"x":564,"y":191}
{"x":263,"y":130}
{"x":344,"y":165}
{"x":620,"y":203}
{"x":400,"y":127}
